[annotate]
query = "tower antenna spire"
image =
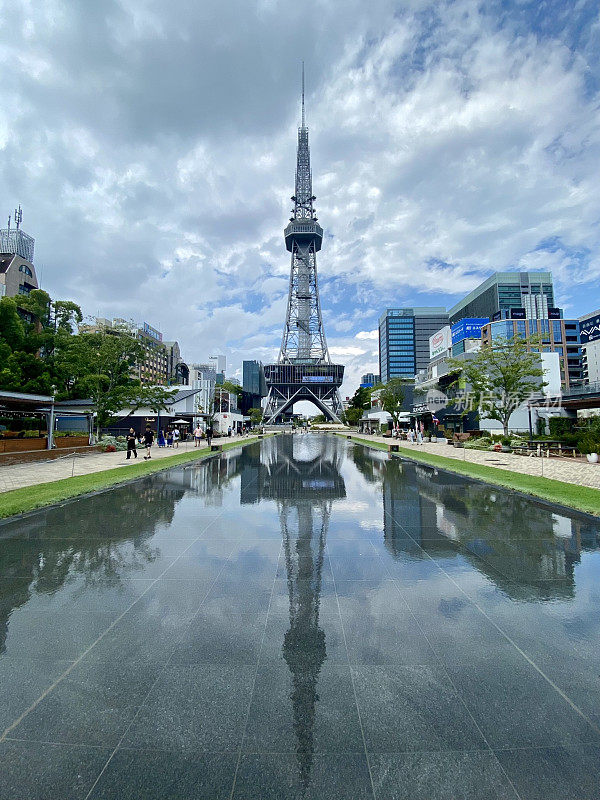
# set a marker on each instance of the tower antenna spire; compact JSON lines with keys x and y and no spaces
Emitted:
{"x":303,"y":125}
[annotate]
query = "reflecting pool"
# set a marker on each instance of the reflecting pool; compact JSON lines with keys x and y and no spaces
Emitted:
{"x":300,"y":618}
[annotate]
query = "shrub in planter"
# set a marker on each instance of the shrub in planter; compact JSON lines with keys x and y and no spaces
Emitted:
{"x":110,"y":448}
{"x":588,"y":444}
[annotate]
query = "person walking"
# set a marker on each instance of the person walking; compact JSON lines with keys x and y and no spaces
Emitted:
{"x":197,"y":435}
{"x":148,"y":442}
{"x":161,"y":438}
{"x":131,"y":444}
{"x":169,"y":437}
{"x":176,"y":438}
{"x":209,"y":434}
{"x":229,"y":431}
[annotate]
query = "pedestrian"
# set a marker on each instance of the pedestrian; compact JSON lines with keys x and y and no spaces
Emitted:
{"x":148,"y":442}
{"x":229,"y":431}
{"x":197,"y":435}
{"x":209,"y":434}
{"x":176,"y":437}
{"x":131,"y":444}
{"x":161,"y":438}
{"x":169,"y":437}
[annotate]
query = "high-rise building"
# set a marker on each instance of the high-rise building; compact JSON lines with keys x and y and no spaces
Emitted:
{"x":253,"y":378}
{"x":17,"y":273}
{"x":404,"y":339}
{"x":509,"y":295}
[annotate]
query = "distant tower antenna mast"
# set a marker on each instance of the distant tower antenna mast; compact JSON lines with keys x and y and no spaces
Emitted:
{"x":18,"y":216}
{"x":303,"y":122}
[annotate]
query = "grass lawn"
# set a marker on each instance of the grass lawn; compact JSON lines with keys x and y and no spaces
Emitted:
{"x":18,"y":501}
{"x":582,"y":498}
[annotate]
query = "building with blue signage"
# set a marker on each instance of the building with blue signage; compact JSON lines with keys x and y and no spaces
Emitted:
{"x":465,"y":332}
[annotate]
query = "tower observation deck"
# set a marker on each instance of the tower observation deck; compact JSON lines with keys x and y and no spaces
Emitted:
{"x":303,"y":370}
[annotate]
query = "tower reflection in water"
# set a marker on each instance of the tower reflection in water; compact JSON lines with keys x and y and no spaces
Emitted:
{"x":302,"y":475}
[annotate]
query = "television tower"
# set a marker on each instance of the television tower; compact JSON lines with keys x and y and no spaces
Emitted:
{"x":303,"y":370}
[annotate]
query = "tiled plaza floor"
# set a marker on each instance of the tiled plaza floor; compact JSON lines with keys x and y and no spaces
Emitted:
{"x":15,"y":476}
{"x":300,"y":618}
{"x":569,"y":470}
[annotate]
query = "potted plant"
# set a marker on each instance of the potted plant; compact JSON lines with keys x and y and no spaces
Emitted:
{"x":589,"y":447}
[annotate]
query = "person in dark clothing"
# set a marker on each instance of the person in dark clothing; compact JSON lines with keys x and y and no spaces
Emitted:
{"x":131,"y":444}
{"x":208,"y":436}
{"x":148,"y":442}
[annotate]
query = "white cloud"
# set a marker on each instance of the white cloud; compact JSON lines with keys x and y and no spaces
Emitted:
{"x":153,"y":147}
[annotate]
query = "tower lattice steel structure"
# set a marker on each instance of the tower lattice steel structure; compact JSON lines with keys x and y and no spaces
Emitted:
{"x":303,"y":370}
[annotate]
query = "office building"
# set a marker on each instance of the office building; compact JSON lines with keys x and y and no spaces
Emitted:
{"x":370,"y":379}
{"x":556,"y":336}
{"x":404,"y":340}
{"x":254,"y":386}
{"x":509,"y":295}
{"x":253,"y":378}
{"x":17,"y":273}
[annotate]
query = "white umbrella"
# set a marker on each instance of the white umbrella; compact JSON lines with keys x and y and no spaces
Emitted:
{"x":180,"y":422}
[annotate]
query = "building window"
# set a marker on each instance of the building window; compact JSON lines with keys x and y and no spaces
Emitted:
{"x":26,"y":270}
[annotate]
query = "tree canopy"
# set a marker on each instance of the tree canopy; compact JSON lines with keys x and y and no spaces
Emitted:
{"x":392,"y":397}
{"x":500,"y":377}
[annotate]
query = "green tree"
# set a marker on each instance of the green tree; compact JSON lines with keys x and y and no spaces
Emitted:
{"x":501,"y":376}
{"x":101,"y":365}
{"x":255,"y":415}
{"x":359,"y":402}
{"x":392,"y":397}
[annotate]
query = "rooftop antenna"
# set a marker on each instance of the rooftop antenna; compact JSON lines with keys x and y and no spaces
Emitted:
{"x":9,"y":223}
{"x":303,"y":125}
{"x":18,"y":216}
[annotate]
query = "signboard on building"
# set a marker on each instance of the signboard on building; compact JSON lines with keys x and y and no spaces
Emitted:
{"x":317,"y":379}
{"x":590,"y":329}
{"x":496,"y":316}
{"x":440,"y":342}
{"x":469,"y":328}
{"x":152,"y":332}
{"x":554,"y":313}
{"x":518,"y":313}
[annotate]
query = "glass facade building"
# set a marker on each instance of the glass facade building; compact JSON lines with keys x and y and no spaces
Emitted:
{"x":503,"y":292}
{"x":404,"y":340}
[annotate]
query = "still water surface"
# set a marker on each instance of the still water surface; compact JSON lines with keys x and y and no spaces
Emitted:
{"x":303,"y":618}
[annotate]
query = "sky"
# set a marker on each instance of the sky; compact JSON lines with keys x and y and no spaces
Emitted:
{"x":152,"y":148}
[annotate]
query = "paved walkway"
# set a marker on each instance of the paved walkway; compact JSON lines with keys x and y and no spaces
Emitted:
{"x":561,"y":469}
{"x":16,"y":476}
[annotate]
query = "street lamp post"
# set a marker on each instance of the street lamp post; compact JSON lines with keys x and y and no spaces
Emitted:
{"x":50,"y":442}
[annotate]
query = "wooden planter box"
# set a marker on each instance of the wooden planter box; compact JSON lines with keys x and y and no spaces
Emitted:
{"x":71,"y":441}
{"x":21,"y":445}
